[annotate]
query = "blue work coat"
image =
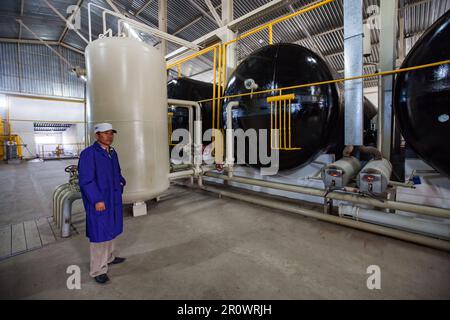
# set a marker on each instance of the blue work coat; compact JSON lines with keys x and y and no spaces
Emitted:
{"x":101,"y":180}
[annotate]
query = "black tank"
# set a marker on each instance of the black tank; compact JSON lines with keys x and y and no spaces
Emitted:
{"x":314,"y":110}
{"x":422,"y":97}
{"x":193,"y":90}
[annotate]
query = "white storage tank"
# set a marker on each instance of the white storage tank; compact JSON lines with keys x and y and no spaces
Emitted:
{"x":126,"y":86}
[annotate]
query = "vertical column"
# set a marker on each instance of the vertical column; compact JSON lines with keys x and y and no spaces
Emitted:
{"x":388,"y":39}
{"x":353,"y":57}
{"x":231,"y":55}
{"x":162,"y":23}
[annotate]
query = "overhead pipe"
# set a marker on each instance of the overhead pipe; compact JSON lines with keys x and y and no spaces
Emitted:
{"x":389,"y":232}
{"x":431,"y":228}
{"x":135,"y":24}
{"x":198,"y":157}
{"x":356,"y":199}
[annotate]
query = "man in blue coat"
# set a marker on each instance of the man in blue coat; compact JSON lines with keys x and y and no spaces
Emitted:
{"x":102,"y":184}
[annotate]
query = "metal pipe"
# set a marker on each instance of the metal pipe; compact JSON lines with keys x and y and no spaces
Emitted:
{"x":356,"y":199}
{"x":430,"y":228}
{"x":57,"y":202}
{"x":398,"y":234}
{"x":229,"y":159}
{"x":67,"y":212}
{"x":59,"y":199}
{"x":198,"y":157}
{"x":55,"y":193}
{"x":138,"y":25}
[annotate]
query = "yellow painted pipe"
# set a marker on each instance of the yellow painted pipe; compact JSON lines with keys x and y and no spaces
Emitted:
{"x":380,"y":74}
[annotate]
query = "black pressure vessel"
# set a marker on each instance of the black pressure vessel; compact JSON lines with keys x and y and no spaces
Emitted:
{"x":422,"y":97}
{"x":314,"y":110}
{"x":192,"y":90}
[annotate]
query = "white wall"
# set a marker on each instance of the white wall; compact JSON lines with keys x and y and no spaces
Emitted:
{"x":372,"y":95}
{"x":72,"y":137}
{"x":25,"y":111}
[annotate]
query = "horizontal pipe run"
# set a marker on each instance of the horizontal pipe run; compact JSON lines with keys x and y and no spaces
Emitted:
{"x":389,"y":232}
{"x":356,"y":199}
{"x":66,"y":218}
{"x":181,"y":174}
{"x":412,"y":224}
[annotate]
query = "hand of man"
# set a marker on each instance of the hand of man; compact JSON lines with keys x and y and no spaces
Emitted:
{"x":100,"y":206}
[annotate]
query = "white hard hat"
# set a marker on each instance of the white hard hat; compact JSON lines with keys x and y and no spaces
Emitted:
{"x":102,"y":127}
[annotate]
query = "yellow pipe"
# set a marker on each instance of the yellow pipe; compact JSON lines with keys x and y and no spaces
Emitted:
{"x":271,"y":124}
{"x":279,"y":128}
{"x":290,"y":96}
{"x":224,"y":68}
{"x":19,"y":146}
{"x":219,"y":93}
{"x":192,"y":56}
{"x":284,"y":123}
{"x":1,"y":139}
{"x":380,"y":74}
{"x":276,"y":21}
{"x":223,"y":80}
{"x":214,"y":86}
{"x":290,"y":132}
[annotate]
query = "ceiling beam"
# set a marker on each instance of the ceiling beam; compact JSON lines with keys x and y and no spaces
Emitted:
{"x":22,"y":2}
{"x":206,"y":14}
{"x":214,"y":12}
{"x":145,"y":5}
{"x":234,"y":25}
{"x":44,"y":43}
{"x":11,"y":16}
{"x":66,"y":29}
{"x":66,"y":21}
{"x":32,"y":41}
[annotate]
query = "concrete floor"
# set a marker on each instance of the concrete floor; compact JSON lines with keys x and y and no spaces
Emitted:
{"x":193,"y":245}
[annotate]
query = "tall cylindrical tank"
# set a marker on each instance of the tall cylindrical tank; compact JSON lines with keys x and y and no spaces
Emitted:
{"x":126,"y":87}
{"x":422,"y":97}
{"x":314,"y":110}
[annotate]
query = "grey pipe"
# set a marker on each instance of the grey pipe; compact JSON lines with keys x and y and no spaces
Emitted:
{"x":59,"y":205}
{"x":398,"y":234}
{"x":431,"y":228}
{"x":58,"y":189}
{"x":356,"y":199}
{"x":181,"y":174}
{"x":67,"y":212}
